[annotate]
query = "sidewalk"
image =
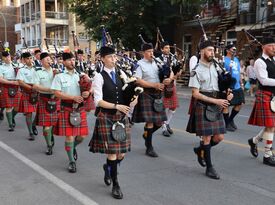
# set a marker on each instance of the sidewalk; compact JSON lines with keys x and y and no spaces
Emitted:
{"x":186,"y":93}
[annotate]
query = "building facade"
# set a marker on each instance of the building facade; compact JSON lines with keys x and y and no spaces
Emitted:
{"x":9,"y":16}
{"x":47,"y":23}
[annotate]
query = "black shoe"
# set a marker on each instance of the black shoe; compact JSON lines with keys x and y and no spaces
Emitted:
{"x":230,"y":128}
{"x":270,"y":161}
{"x":212,"y":173}
{"x":151,"y":152}
{"x":1,"y":116}
{"x":75,"y":155}
{"x":253,"y":148}
{"x":107,"y":177}
{"x":34,"y":130}
{"x":72,"y":167}
{"x":169,"y":129}
{"x":31,"y":137}
{"x":116,"y":192}
{"x":11,"y":129}
{"x":49,"y":150}
{"x":165,"y":133}
{"x":233,"y":125}
{"x":200,"y":155}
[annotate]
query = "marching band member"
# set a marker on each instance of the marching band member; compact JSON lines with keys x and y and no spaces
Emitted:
{"x":48,"y":106}
{"x":111,"y":108}
{"x":29,"y":98}
{"x":150,"y":105}
{"x":262,"y":113}
{"x":72,"y":119}
{"x":204,"y":84}
{"x":10,"y":94}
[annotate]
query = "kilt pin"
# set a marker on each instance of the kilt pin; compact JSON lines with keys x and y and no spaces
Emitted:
{"x":43,"y":117}
{"x":172,"y":102}
{"x":144,"y":111}
{"x":102,"y":140}
{"x":261,"y":114}
{"x":8,"y":101}
{"x":63,"y":126}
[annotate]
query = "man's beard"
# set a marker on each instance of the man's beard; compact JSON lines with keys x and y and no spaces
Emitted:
{"x":208,"y":58}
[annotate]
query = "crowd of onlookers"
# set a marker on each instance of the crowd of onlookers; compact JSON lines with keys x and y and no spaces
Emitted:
{"x":248,"y":75}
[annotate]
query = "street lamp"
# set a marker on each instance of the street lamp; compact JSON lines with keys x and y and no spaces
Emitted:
{"x":5,"y":24}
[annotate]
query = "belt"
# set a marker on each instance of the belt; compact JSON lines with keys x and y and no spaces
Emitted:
{"x":212,"y":94}
{"x":70,"y":104}
{"x":9,"y":86}
{"x":44,"y":95}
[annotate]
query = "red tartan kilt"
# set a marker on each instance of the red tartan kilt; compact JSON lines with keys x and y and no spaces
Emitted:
{"x":43,"y":117}
{"x":171,"y":102}
{"x":8,"y":101}
{"x":25,"y":106}
{"x":1,"y":96}
{"x":64,"y":128}
{"x":261,"y":114}
{"x":89,"y":104}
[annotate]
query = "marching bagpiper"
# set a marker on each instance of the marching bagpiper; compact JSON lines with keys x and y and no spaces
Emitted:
{"x":111,"y":111}
{"x":263,"y":113}
{"x":48,"y":106}
{"x":29,"y":98}
{"x":72,"y":119}
{"x":10,"y":94}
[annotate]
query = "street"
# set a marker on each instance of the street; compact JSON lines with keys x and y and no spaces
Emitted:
{"x":29,"y":177}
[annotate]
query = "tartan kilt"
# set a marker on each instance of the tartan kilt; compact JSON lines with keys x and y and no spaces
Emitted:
{"x":173,"y":101}
{"x":191,"y":125}
{"x":25,"y":106}
{"x":89,"y":104}
{"x":204,"y":127}
{"x":63,"y":126}
{"x":1,"y":96}
{"x":43,"y":117}
{"x":102,"y":141}
{"x":144,"y":111}
{"x":191,"y":105}
{"x":238,"y":97}
{"x":8,"y":101}
{"x":261,"y":114}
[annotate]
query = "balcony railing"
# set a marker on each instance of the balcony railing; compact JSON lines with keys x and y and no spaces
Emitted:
{"x":57,"y":42}
{"x":56,"y":15}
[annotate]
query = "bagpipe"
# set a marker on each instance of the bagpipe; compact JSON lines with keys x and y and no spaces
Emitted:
{"x":163,"y":68}
{"x":175,"y":63}
{"x":126,"y":68}
{"x":225,"y":80}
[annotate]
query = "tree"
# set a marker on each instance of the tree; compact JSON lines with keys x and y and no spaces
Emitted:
{"x":123,"y":19}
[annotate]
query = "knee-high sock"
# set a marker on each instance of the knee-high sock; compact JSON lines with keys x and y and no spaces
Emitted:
{"x":212,"y":142}
{"x":69,"y":147}
{"x":34,"y":120}
{"x":233,"y":115}
{"x":77,"y":140}
{"x":268,"y":137}
{"x":207,"y":155}
{"x":2,"y":110}
{"x":148,"y":136}
{"x":9,"y":118}
{"x":29,"y":122}
{"x":226,"y":118}
{"x":259,"y":137}
{"x":170,"y":115}
{"x":48,"y":135}
{"x":113,"y":165}
{"x":14,"y":113}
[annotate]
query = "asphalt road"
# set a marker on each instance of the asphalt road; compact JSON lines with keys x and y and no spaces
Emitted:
{"x":29,"y":177}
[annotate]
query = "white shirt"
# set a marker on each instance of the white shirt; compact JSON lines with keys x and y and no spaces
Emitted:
{"x":261,"y":72}
{"x":251,"y":72}
{"x":147,"y":71}
{"x":193,"y":62}
{"x":98,"y":85}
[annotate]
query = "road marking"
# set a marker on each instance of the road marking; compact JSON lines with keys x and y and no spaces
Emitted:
{"x":225,"y":141}
{"x":83,"y":199}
